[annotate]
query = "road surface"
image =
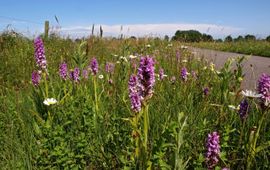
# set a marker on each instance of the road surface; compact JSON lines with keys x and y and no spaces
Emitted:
{"x":253,"y":67}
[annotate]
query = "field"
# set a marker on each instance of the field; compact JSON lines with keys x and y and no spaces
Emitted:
{"x":259,"y":48}
{"x":126,"y":104}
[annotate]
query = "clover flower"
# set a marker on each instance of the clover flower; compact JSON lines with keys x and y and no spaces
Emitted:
{"x":109,"y":67}
{"x":40,"y":53}
{"x":264,"y":89}
{"x":94,"y":66}
{"x":110,"y":81}
{"x":243,"y":110}
{"x":146,"y":76}
{"x":85,"y":74}
{"x":184,"y":74}
{"x":36,"y":77}
{"x":161,"y":73}
{"x":75,"y":75}
{"x":213,"y":150}
{"x":63,"y":69}
{"x":134,"y":96}
{"x":206,"y":91}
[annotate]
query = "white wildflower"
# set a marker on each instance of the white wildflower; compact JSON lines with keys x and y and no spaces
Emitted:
{"x":132,"y":56}
{"x":100,"y":76}
{"x":49,"y":101}
{"x":250,"y":93}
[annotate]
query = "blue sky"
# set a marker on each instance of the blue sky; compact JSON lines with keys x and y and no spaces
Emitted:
{"x":139,"y":17}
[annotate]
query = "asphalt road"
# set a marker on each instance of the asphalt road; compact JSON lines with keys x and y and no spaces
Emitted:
{"x":253,"y":67}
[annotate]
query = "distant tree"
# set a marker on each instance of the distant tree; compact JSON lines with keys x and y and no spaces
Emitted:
{"x":166,"y":38}
{"x":207,"y":38}
{"x":228,"y":39}
{"x":250,"y":37}
{"x":156,"y":39}
{"x":219,"y":40}
{"x":187,"y":36}
{"x":133,"y":37}
{"x":268,"y":38}
{"x":239,"y":38}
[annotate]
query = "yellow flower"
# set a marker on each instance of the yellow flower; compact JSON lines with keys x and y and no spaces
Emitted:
{"x":212,"y":66}
{"x":240,"y":79}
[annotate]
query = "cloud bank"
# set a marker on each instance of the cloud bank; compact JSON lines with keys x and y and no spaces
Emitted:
{"x":141,"y":30}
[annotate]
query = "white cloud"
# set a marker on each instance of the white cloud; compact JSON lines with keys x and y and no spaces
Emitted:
{"x":150,"y":29}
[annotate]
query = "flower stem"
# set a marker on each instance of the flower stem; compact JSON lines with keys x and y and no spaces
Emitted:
{"x":146,"y":127}
{"x":252,"y":151}
{"x":46,"y":85}
{"x":96,"y":104}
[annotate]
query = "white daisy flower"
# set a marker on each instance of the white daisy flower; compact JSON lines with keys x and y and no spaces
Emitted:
{"x":132,"y":56}
{"x":49,"y":101}
{"x":148,"y":45}
{"x":250,"y":93}
{"x":100,"y":76}
{"x":184,"y":61}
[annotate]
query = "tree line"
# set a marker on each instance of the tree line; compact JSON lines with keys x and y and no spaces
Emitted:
{"x":196,"y":36}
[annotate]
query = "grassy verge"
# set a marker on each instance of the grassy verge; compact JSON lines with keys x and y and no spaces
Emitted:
{"x":259,"y":48}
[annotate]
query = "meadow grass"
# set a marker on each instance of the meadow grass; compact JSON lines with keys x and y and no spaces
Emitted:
{"x":92,"y":124}
{"x":259,"y":48}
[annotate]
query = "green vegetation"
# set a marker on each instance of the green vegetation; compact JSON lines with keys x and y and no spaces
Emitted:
{"x":191,"y":36}
{"x":92,"y":125}
{"x":247,"y":44}
{"x":260,"y":48}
